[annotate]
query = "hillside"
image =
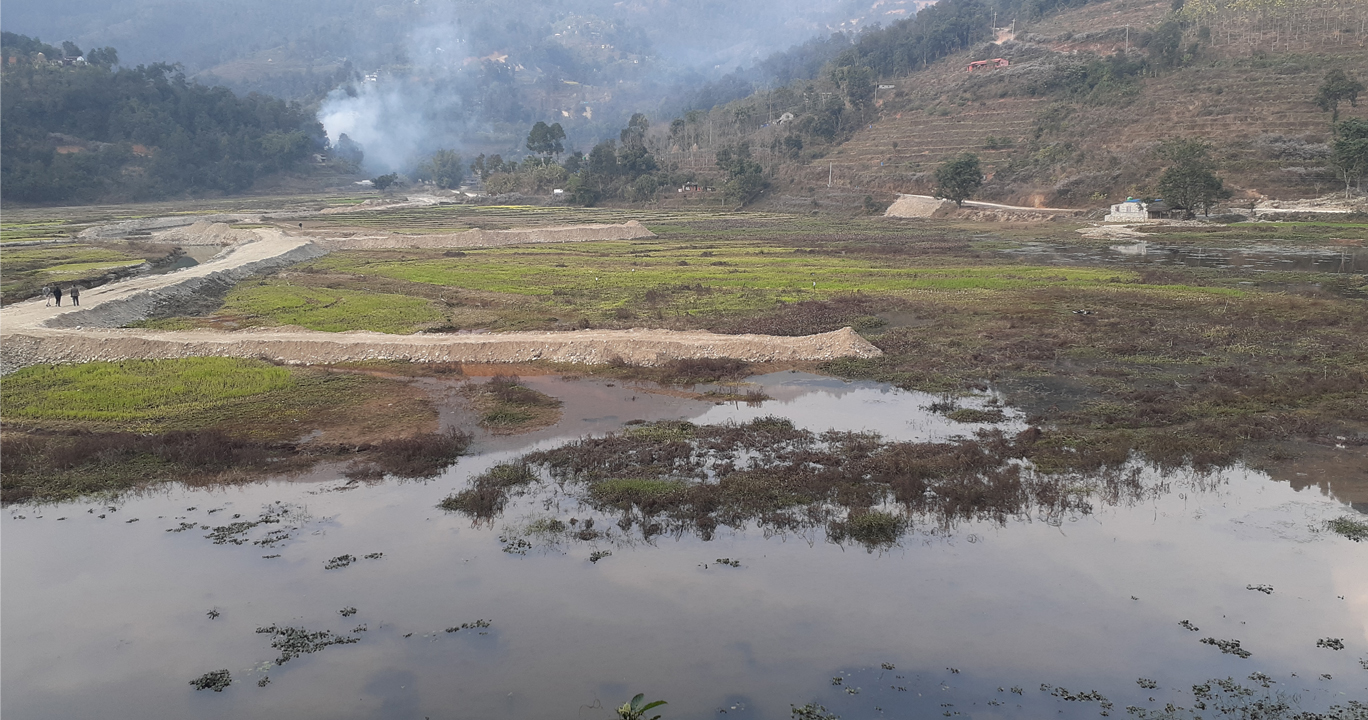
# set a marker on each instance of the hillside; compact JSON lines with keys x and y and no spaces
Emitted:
{"x":1247,"y":90}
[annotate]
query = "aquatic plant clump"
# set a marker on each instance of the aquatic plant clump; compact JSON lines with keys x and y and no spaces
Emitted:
{"x":418,"y":456}
{"x":215,"y":680}
{"x":674,"y":476}
{"x":874,"y":528}
{"x":293,"y":641}
{"x":1229,"y":647}
{"x":488,"y":491}
{"x":1355,"y":530}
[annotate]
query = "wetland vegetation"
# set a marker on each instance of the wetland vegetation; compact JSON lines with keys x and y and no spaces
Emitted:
{"x":1181,"y":364}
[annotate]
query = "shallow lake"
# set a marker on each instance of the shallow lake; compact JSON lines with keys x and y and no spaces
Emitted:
{"x":110,"y":610}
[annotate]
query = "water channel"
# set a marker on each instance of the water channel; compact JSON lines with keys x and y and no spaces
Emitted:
{"x":111,"y":609}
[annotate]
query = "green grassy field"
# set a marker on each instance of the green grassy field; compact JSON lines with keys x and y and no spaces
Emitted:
{"x":161,"y":395}
{"x":438,"y":218}
{"x":267,"y":303}
{"x":34,"y":230}
{"x":105,"y":427}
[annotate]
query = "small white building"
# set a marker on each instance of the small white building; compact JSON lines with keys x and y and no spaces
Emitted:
{"x":1133,"y":210}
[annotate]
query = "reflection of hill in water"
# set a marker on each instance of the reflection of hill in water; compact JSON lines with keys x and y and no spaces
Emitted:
{"x":1338,"y":473}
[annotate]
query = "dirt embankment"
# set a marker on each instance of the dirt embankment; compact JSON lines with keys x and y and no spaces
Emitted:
{"x":204,"y":232}
{"x":146,"y":225}
{"x":920,"y":206}
{"x":306,"y":347}
{"x":630,"y":230}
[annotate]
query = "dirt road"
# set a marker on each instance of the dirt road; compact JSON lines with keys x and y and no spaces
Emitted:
{"x":31,"y":333}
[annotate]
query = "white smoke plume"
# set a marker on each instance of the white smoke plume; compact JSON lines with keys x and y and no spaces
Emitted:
{"x":402,"y":115}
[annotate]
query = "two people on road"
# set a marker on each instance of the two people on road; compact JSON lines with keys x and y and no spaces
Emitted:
{"x":54,"y":293}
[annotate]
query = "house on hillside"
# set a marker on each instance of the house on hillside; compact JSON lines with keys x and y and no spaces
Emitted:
{"x":993,"y":64}
{"x":1133,"y":210}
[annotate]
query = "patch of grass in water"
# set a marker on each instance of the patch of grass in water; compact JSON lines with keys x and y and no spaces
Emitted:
{"x":664,"y":431}
{"x":872,"y":528}
{"x":625,"y":492}
{"x":974,"y":415}
{"x":488,"y":491}
{"x":1355,"y":530}
{"x":507,"y":406}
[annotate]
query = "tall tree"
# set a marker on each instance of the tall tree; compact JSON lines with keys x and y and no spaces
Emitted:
{"x":1349,"y":152}
{"x":445,"y":169}
{"x":634,"y":135}
{"x":1338,"y":87}
{"x":958,"y":178}
{"x":546,"y":140}
{"x":1190,"y":182}
{"x":856,"y":83}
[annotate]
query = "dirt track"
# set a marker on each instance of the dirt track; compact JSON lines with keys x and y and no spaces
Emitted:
{"x":31,"y":333}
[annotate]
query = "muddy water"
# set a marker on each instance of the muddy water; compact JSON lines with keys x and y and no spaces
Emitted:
{"x":104,"y":617}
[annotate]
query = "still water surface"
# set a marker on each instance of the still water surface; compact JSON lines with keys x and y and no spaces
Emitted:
{"x":106,"y":617}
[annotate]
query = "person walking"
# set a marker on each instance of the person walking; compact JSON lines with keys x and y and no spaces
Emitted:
{"x":57,"y":294}
{"x":75,"y":293}
{"x":47,"y":296}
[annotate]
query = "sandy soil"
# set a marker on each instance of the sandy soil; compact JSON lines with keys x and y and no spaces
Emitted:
{"x":31,"y":333}
{"x":925,"y":206}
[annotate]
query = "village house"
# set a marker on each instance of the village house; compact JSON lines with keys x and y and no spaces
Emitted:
{"x":1134,"y":210}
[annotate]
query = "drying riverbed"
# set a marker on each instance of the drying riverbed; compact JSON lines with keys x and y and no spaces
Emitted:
{"x":324,"y":597}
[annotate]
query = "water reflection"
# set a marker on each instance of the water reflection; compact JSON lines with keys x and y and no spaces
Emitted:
{"x":104,"y":617}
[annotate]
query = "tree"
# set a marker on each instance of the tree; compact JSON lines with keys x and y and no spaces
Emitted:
{"x":348,"y":151}
{"x":574,"y":162}
{"x":677,"y":128}
{"x":634,"y":135}
{"x":383,"y":182}
{"x":546,"y":140}
{"x":603,"y":160}
{"x":104,"y":57}
{"x":856,"y":83}
{"x":958,"y":178}
{"x":745,"y":177}
{"x":444,"y":167}
{"x":1190,"y":182}
{"x":1349,"y":152}
{"x":1338,"y":86}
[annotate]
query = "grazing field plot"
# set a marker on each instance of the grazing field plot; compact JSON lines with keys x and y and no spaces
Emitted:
{"x":265,"y":303}
{"x":442,"y":218}
{"x":106,"y":427}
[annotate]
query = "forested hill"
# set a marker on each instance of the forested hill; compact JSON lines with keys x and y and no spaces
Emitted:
{"x":76,"y":128}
